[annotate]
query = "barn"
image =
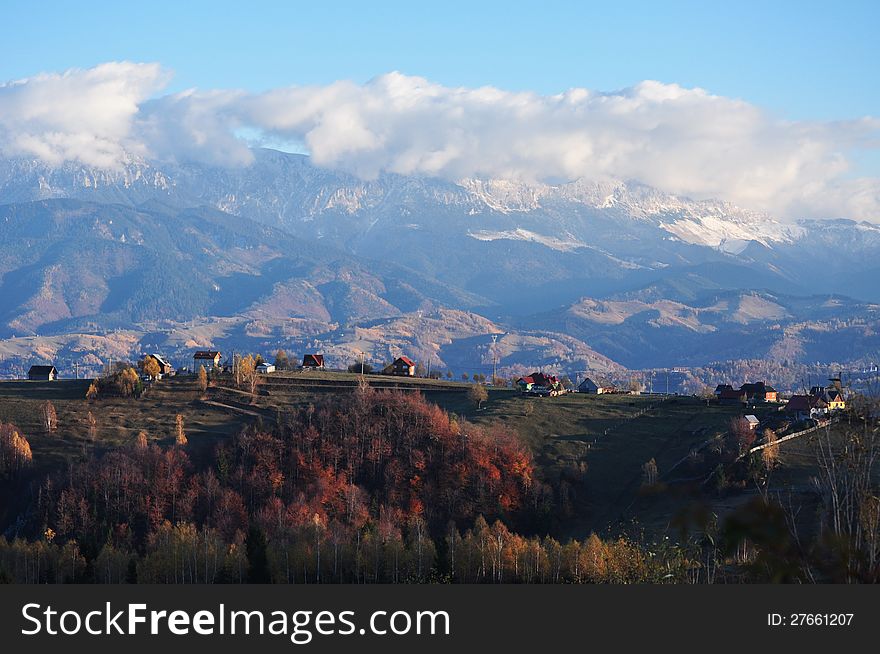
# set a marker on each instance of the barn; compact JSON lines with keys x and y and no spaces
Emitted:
{"x":42,"y":373}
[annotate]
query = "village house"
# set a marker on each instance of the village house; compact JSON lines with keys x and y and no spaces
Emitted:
{"x":749,"y":393}
{"x":759,"y":392}
{"x":165,"y":368}
{"x":525,"y":383}
{"x":539,"y":383}
{"x":313,"y":362}
{"x":43,"y":373}
{"x":402,"y":367}
{"x":803,"y":407}
{"x":732,"y":396}
{"x":720,"y":389}
{"x":265,"y":368}
{"x":832,"y":395}
{"x":752,"y":421}
{"x":596,"y":388}
{"x":835,"y":400}
{"x":208,"y":358}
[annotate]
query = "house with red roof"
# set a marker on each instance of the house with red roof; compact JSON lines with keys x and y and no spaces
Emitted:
{"x":313,"y":362}
{"x":538,"y":382}
{"x":402,"y":366}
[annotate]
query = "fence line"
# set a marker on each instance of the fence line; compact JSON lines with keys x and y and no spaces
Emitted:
{"x":804,"y":432}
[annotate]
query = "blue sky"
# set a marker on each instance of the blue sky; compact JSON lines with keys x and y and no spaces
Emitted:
{"x":801,"y":60}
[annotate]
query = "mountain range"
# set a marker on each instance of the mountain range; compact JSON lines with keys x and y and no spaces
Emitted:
{"x":582,"y":276}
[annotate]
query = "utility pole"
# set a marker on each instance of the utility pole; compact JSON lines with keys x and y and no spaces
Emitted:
{"x":362,"y":364}
{"x":494,"y":359}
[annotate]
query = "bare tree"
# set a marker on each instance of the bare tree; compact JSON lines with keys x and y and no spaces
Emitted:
{"x":650,"y":474}
{"x":49,"y":417}
{"x":846,"y":469}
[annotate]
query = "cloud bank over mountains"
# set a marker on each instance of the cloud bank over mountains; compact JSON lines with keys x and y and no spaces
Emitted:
{"x":684,"y":141}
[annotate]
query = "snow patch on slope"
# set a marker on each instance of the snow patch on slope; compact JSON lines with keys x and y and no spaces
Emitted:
{"x":519,"y":234}
{"x":730,"y":235}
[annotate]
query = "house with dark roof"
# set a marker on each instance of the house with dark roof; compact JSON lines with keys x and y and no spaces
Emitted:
{"x":830,"y":394}
{"x":806,"y":406}
{"x":835,"y":400}
{"x":401,"y":367}
{"x":721,"y":388}
{"x":208,"y":358}
{"x":759,"y":392}
{"x":732,"y":396}
{"x":596,"y":387}
{"x":42,"y":373}
{"x":313,"y":362}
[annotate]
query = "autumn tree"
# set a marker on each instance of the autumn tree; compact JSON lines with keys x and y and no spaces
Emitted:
{"x":140,"y":442}
{"x":203,"y":379}
{"x":92,"y":392}
{"x":247,"y":373}
{"x":282,"y":362}
{"x":770,"y":453}
{"x":179,"y":434}
{"x":478,"y":394}
{"x":464,"y":376}
{"x":15,"y":451}
{"x":151,"y":367}
{"x":91,"y":427}
{"x":49,"y":417}
{"x":123,"y":381}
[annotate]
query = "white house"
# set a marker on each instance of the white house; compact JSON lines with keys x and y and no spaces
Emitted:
{"x":589,"y":386}
{"x":753,"y":422}
{"x":265,"y":368}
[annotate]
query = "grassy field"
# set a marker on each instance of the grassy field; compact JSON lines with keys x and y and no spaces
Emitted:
{"x":597,"y":444}
{"x":118,"y":420}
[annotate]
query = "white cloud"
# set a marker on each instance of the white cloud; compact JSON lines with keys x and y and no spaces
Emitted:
{"x":80,"y":115}
{"x":685,"y":141}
